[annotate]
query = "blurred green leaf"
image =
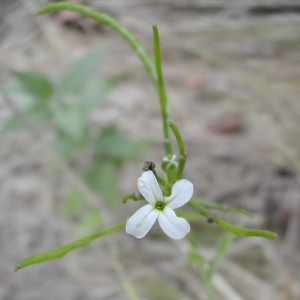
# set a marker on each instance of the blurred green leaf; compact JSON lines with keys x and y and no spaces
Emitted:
{"x":195,"y":257}
{"x":35,"y":84}
{"x":90,"y":222}
{"x":109,"y":184}
{"x":13,"y":124}
{"x":74,"y":79}
{"x":92,"y":96}
{"x":68,"y":147}
{"x":115,"y":146}
{"x":31,"y":99}
{"x":192,"y":240}
{"x":38,"y":112}
{"x":64,"y":146}
{"x":224,"y":244}
{"x":70,"y":120}
{"x":74,"y":202}
{"x":15,"y":90}
{"x":222,"y":249}
{"x":104,"y":179}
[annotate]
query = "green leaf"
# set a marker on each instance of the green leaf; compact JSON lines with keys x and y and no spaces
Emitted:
{"x":93,"y":96}
{"x":35,"y":84}
{"x":222,"y":249}
{"x":74,"y":202}
{"x":19,"y":95}
{"x":104,"y":179}
{"x":62,"y":251}
{"x":195,"y":257}
{"x":115,"y":146}
{"x":70,"y":121}
{"x":90,"y":222}
{"x":64,"y":146}
{"x":38,"y":112}
{"x":224,"y":244}
{"x":33,"y":102}
{"x":74,"y":79}
{"x":68,"y":147}
{"x":13,"y":124}
{"x":192,"y":240}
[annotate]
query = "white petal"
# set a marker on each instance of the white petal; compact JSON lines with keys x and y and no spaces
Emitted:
{"x":174,"y":227}
{"x":182,"y":192}
{"x":141,"y":221}
{"x":149,"y":187}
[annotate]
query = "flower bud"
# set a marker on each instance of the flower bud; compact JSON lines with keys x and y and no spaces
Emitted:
{"x":169,"y":163}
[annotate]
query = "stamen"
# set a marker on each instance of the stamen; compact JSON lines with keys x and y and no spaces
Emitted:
{"x":160,"y":205}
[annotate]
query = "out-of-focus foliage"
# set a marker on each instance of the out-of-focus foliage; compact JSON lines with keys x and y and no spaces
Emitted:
{"x":63,"y":250}
{"x":65,"y":105}
{"x":207,"y":267}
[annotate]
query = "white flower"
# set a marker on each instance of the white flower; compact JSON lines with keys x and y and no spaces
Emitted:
{"x":160,"y":207}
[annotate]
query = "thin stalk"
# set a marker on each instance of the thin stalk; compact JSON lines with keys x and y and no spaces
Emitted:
{"x":63,"y":250}
{"x":153,"y":70}
{"x":183,"y":156}
{"x":127,"y":197}
{"x":160,"y":180}
{"x":161,"y":91}
{"x":125,"y":280}
{"x":114,"y":24}
{"x":208,"y":286}
{"x":230,"y":228}
{"x":226,"y":208}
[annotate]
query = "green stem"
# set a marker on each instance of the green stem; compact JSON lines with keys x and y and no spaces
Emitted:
{"x":127,"y":284}
{"x":160,"y":180}
{"x":211,"y":205}
{"x":208,"y":286}
{"x":178,"y":138}
{"x":161,"y":91}
{"x":228,"y":227}
{"x":114,"y":24}
{"x":183,"y":156}
{"x":152,"y":70}
{"x":127,"y":197}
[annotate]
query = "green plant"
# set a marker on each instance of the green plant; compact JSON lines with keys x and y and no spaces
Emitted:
{"x":65,"y":106}
{"x":163,"y":193}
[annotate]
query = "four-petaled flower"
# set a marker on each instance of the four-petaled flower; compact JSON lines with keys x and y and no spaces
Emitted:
{"x":160,"y":207}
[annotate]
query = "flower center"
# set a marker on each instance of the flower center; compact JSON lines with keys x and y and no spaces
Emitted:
{"x":160,"y":205}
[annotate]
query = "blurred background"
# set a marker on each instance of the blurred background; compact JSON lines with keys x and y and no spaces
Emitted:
{"x":232,"y":73}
